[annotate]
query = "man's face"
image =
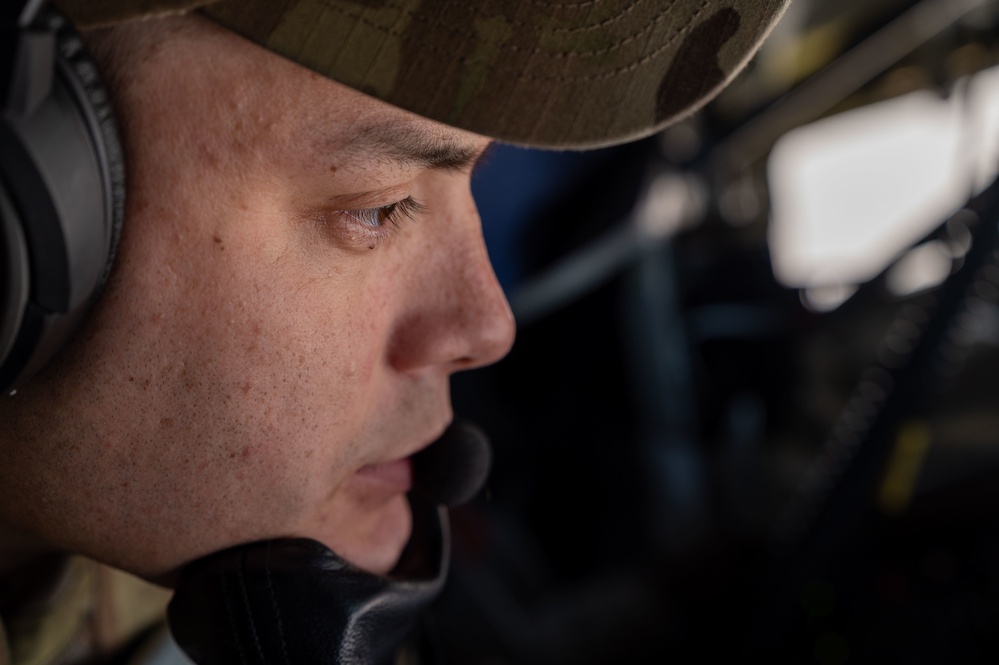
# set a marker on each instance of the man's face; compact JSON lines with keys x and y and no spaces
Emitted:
{"x":277,"y":338}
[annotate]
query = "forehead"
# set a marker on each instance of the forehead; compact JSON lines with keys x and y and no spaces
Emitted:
{"x":212,"y":71}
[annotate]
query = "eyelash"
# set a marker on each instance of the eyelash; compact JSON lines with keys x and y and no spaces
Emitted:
{"x":376,"y":218}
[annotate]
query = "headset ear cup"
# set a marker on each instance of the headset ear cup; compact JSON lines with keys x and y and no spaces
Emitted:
{"x":63,"y":168}
{"x":78,"y":63}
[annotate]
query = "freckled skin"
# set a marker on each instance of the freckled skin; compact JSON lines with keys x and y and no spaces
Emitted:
{"x":249,"y":356}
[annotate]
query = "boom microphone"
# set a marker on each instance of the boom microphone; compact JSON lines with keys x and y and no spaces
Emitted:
{"x":454,"y":468}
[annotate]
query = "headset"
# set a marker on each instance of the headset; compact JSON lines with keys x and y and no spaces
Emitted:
{"x":62,"y":192}
{"x":62,"y":186}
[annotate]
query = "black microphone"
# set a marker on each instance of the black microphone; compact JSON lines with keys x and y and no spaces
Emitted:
{"x":454,"y":468}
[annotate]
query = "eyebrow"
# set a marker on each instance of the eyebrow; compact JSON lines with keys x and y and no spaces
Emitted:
{"x":417,"y":146}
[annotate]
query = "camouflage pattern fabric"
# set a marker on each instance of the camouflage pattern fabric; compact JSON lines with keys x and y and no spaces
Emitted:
{"x":92,"y":612}
{"x":546,"y":73}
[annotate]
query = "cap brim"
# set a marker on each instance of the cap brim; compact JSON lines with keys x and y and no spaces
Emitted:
{"x":552,"y":73}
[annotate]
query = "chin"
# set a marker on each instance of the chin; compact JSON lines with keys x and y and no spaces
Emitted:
{"x":377,"y":543}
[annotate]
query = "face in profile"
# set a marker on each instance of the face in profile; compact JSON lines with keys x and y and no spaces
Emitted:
{"x":300,"y":271}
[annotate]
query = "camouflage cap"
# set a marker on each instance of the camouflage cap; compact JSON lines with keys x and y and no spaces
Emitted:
{"x":548,"y":73}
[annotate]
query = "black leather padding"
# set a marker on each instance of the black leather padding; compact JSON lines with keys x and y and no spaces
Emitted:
{"x":83,"y":77}
{"x":295,"y":602}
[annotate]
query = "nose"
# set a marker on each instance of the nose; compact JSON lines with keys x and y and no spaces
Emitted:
{"x":456,"y":316}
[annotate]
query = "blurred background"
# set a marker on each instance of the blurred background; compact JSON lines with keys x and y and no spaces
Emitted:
{"x":753,"y":408}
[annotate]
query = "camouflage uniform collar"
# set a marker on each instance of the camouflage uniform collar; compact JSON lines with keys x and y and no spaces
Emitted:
{"x":551,"y":73}
{"x":85,"y":612}
{"x":47,"y":625}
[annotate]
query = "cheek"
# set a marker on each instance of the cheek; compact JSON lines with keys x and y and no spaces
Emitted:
{"x":250,"y":376}
{"x":287,"y":358}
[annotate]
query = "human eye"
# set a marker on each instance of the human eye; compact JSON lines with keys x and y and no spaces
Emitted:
{"x":364,"y":228}
{"x":378,"y":218}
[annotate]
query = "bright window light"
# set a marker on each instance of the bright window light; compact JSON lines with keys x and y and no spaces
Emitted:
{"x":924,"y":267}
{"x":851,"y":193}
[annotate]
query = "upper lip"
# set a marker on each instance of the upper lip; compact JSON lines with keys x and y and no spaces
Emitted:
{"x":413,"y":449}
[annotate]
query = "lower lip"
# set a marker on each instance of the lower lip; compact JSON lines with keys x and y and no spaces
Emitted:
{"x":397,"y":475}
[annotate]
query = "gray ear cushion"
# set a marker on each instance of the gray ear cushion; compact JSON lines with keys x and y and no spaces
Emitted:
{"x":81,"y":75}
{"x":86,"y":149}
